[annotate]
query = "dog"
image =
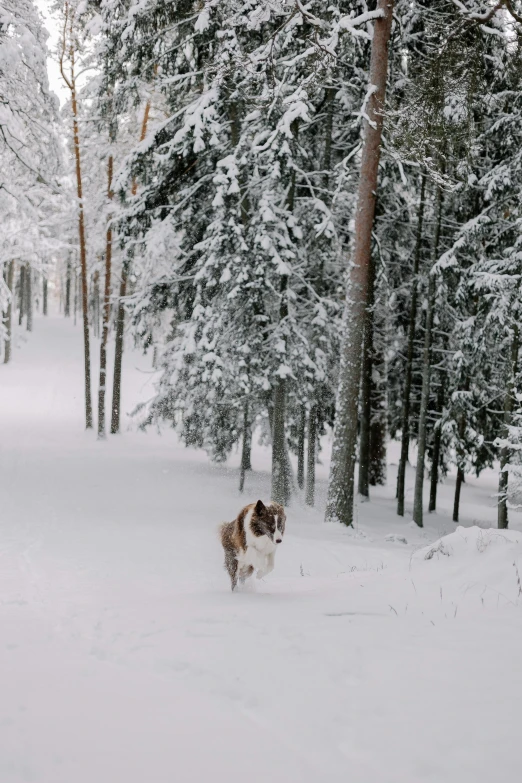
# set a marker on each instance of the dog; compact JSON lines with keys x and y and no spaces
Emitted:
{"x":251,"y":540}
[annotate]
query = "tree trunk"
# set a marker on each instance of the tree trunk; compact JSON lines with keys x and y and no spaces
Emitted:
{"x":509,"y":400}
{"x":406,"y":401}
{"x":437,"y":443}
{"x":118,"y":352}
{"x":29,"y":298}
{"x":426,"y":370}
{"x":245,"y":449}
{"x":456,"y":499}
{"x":9,"y":314}
{"x":120,"y":322}
{"x":280,"y":477}
{"x":340,"y":491}
{"x":44,"y":296}
{"x":301,"y":449}
{"x":366,"y":390}
{"x":21,"y":295}
{"x":96,"y":303}
{"x":67,"y":306}
{"x":70,"y":81}
{"x":106,"y":309}
{"x":310,"y":466}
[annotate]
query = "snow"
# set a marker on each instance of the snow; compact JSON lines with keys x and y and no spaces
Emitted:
{"x":125,"y":658}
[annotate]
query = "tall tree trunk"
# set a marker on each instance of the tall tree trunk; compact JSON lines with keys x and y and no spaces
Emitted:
{"x":509,"y":400}
{"x":280,"y":475}
{"x":71,"y":84}
{"x":245,"y":449}
{"x":311,"y":455}
{"x":9,"y":314}
{"x":118,"y":351}
{"x":44,"y":284}
{"x":340,"y":491}
{"x":366,"y":390}
{"x":120,"y":320}
{"x":437,"y":443}
{"x":67,"y":306}
{"x":21,"y":295}
{"x":301,"y":448}
{"x":426,"y":370}
{"x":29,"y":298}
{"x":456,"y":500}
{"x":96,"y":303}
{"x":408,"y":370}
{"x":106,"y":308}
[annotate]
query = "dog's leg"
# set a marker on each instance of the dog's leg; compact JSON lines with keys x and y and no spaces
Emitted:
{"x":231,"y":565}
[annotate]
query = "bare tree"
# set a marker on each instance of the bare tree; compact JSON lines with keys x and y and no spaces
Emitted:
{"x":68,"y":54}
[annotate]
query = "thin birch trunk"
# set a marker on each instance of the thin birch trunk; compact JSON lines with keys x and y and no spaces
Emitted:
{"x":408,"y":373}
{"x":426,"y":370}
{"x":106,"y":308}
{"x":341,"y":487}
{"x":505,"y":454}
{"x":71,"y":84}
{"x":9,"y":315}
{"x":311,"y":456}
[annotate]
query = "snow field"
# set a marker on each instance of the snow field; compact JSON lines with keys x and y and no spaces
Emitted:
{"x":125,"y":658}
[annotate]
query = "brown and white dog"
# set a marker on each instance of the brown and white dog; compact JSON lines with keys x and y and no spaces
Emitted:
{"x":251,"y":540}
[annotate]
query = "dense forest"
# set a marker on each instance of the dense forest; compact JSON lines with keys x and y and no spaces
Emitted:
{"x":309,"y":214}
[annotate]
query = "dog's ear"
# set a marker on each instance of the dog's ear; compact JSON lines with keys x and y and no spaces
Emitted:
{"x":260,"y":507}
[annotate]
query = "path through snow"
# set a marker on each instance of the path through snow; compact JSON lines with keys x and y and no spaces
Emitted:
{"x":124,"y":658}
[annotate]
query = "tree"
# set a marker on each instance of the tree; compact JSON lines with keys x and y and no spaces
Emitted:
{"x":68,"y":56}
{"x":340,"y":490}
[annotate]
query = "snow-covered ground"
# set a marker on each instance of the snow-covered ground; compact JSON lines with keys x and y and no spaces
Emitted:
{"x":125,"y":658}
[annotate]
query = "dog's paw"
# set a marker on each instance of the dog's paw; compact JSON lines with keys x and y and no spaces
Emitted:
{"x":261,"y":573}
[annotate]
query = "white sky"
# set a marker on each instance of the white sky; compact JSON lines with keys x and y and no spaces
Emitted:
{"x":52,"y":26}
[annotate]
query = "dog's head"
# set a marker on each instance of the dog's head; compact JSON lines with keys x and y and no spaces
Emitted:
{"x":269,"y":521}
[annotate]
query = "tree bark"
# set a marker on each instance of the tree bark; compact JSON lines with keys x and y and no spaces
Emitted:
{"x":341,"y":486}
{"x":509,"y":401}
{"x":29,"y":298}
{"x":71,"y":84}
{"x":120,"y":322}
{"x":245,"y":449}
{"x":366,"y":390}
{"x":44,"y":303}
{"x":67,"y":306}
{"x":118,"y":352}
{"x":21,"y":295}
{"x":426,"y":370}
{"x":456,"y":499}
{"x":311,"y":456}
{"x":301,"y":449}
{"x":280,"y":478}
{"x":9,"y":314}
{"x":106,"y":308}
{"x":406,"y":402}
{"x":437,"y":443}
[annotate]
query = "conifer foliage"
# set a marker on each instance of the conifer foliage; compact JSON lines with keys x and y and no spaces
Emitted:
{"x":308,"y":213}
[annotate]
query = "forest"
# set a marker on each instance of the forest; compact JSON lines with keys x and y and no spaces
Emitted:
{"x":308,"y":215}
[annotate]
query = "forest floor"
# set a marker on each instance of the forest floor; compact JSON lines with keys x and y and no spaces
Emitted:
{"x":125,"y":658}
